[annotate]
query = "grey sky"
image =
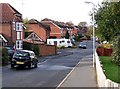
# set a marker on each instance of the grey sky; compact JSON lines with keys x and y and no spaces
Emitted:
{"x":60,"y":10}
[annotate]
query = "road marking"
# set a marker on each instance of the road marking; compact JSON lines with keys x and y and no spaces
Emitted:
{"x":67,"y":75}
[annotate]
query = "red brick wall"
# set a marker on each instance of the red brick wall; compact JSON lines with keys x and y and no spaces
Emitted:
{"x":41,"y":32}
{"x":45,"y":50}
{"x":55,"y":31}
{"x":6,"y":31}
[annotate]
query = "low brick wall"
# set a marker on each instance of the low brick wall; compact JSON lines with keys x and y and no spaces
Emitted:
{"x":45,"y":50}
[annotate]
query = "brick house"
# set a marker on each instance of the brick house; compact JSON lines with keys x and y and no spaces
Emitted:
{"x":40,"y":29}
{"x":55,"y":30}
{"x":10,"y":16}
{"x":58,"y":29}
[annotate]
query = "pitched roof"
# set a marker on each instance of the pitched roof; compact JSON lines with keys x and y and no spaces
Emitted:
{"x":9,"y":13}
{"x":3,"y":38}
{"x":34,"y":21}
{"x":58,"y":23}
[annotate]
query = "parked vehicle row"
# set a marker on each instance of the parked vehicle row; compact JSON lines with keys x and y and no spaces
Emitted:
{"x":24,"y":58}
{"x":28,"y":58}
{"x":21,"y":58}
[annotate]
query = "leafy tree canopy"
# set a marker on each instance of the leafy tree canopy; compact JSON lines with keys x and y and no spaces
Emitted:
{"x":108,"y":20}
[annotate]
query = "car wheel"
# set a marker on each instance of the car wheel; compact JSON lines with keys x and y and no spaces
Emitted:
{"x":12,"y":66}
{"x":30,"y":66}
{"x":36,"y":65}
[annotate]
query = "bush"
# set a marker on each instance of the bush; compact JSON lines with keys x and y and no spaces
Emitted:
{"x":62,"y":47}
{"x":59,"y":47}
{"x":77,"y":38}
{"x":116,"y":50}
{"x":4,"y":58}
{"x":36,"y":50}
{"x":30,"y":46}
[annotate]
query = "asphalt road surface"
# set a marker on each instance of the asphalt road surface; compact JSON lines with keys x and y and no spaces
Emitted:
{"x":49,"y":73}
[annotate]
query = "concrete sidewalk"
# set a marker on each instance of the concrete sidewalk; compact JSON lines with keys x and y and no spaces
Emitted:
{"x":83,"y":75}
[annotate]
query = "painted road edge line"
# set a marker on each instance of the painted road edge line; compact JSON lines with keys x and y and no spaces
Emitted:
{"x":67,"y":75}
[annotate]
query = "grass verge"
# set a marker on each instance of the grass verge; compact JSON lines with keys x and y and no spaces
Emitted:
{"x":112,"y":70}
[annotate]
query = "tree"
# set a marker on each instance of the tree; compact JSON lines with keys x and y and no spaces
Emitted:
{"x":107,"y":20}
{"x":69,"y":23}
{"x":26,"y":22}
{"x":67,"y":35}
{"x":82,"y":24}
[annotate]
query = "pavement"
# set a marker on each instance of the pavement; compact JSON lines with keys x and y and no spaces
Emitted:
{"x":83,"y":75}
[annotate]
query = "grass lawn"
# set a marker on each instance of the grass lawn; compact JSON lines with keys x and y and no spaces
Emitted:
{"x":112,"y":71}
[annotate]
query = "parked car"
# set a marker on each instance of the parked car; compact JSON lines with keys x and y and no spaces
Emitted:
{"x":24,"y":58}
{"x":82,"y":45}
{"x":10,"y":52}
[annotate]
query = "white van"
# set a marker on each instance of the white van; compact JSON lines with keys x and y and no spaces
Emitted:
{"x":60,"y":42}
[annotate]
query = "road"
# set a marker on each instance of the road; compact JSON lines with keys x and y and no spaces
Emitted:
{"x":49,"y":73}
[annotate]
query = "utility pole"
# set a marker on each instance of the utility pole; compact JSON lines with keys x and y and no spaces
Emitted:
{"x":93,"y":18}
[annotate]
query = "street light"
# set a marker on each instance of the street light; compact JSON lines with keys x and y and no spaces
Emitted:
{"x":93,"y":31}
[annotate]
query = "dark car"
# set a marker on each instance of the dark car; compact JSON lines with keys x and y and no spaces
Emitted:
{"x":82,"y":45}
{"x":24,"y":58}
{"x":11,"y":51}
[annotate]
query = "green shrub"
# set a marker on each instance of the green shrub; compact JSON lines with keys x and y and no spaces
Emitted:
{"x":36,"y":50}
{"x":59,"y":47}
{"x":77,"y":38}
{"x":62,"y":47}
{"x":116,"y":50}
{"x":27,"y":46}
{"x":4,"y":58}
{"x":30,"y":46}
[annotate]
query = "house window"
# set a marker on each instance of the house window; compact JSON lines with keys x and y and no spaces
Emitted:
{"x":68,"y":41}
{"x":19,"y":26}
{"x":19,"y":44}
{"x":55,"y":42}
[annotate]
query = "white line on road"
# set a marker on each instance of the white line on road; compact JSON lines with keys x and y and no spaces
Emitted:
{"x":67,"y":75}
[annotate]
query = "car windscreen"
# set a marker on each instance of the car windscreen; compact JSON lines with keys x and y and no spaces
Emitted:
{"x":21,"y":54}
{"x":82,"y":43}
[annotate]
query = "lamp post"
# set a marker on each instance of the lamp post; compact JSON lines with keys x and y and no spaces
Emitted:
{"x":93,"y":16}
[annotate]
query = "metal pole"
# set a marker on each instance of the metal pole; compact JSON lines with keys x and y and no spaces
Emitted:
{"x":93,"y":32}
{"x":93,"y":40}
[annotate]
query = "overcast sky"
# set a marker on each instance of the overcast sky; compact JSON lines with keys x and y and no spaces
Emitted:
{"x":60,"y":10}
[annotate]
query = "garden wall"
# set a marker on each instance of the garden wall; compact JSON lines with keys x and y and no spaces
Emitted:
{"x":101,"y":78}
{"x":44,"y":49}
